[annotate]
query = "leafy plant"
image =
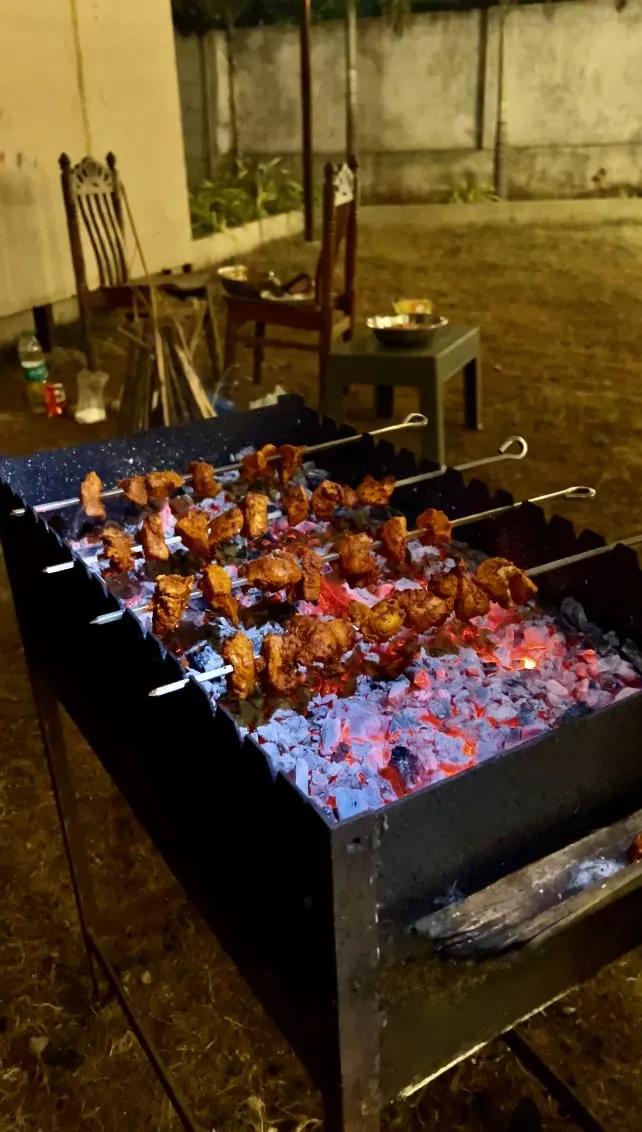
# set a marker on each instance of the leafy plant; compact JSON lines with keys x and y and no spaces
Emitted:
{"x":241,"y":192}
{"x":471,"y":192}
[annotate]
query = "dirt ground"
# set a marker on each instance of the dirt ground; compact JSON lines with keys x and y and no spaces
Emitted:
{"x":560,"y":311}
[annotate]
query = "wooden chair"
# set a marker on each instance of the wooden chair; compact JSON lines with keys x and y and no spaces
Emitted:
{"x":319,"y":316}
{"x":95,"y":200}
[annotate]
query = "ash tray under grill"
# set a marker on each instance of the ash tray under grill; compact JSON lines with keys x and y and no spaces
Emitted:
{"x":404,"y":329}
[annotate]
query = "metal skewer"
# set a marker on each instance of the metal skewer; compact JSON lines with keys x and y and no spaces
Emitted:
{"x":533,"y":572}
{"x":504,"y":453}
{"x":574,"y":492}
{"x":412,"y":420}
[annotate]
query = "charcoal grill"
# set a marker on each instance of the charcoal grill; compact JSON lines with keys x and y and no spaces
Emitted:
{"x":327,"y":921}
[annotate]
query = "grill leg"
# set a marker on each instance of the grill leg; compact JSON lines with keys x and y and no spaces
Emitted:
{"x":50,"y":720}
{"x":53,"y":740}
{"x":561,"y":1092}
{"x":354,"y":1105}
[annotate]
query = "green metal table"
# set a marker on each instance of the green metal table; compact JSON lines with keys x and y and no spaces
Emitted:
{"x":363,"y":361}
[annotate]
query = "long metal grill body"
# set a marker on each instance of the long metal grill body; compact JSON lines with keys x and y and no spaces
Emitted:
{"x":314,"y":913}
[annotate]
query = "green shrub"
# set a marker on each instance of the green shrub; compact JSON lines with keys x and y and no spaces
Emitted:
{"x":244,"y":191}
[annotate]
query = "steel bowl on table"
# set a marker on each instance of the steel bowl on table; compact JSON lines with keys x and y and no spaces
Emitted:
{"x":404,"y":329}
{"x":244,"y":282}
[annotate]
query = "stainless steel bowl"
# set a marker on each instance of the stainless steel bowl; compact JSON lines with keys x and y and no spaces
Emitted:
{"x":239,"y":280}
{"x":404,"y":329}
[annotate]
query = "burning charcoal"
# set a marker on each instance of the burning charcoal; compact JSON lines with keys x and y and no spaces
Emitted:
{"x":576,"y":711}
{"x":204,"y":658}
{"x":349,"y":802}
{"x":204,"y":480}
{"x":406,"y":764}
{"x":90,"y":490}
{"x":135,"y":489}
{"x":635,"y":849}
{"x":152,"y":537}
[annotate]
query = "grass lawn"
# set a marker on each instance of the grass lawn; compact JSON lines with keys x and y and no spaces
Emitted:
{"x":560,"y":311}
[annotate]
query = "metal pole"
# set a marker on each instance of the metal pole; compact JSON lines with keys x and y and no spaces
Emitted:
{"x":306,"y":119}
{"x":500,"y":131}
{"x":351,"y":77}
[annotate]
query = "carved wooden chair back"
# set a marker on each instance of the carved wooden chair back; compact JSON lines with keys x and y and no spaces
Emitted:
{"x":93,"y":197}
{"x":339,"y":232}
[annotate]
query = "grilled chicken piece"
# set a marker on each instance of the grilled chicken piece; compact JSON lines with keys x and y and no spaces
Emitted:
{"x":90,"y":490}
{"x":204,"y":481}
{"x":160,"y":485}
{"x":193,"y":528}
{"x":274,"y":571}
{"x":326,"y":497}
{"x":226,"y":526}
{"x":471,"y":601}
{"x":350,"y":497}
{"x":375,"y":493}
{"x":312,"y":565}
{"x":504,"y":582}
{"x":238,"y":652}
{"x":436,"y":526}
{"x":257,"y":465}
{"x":381,"y":621}
{"x":117,"y":546}
{"x":446,"y":586}
{"x":256,"y":515}
{"x":355,"y":558}
{"x":393,"y":536}
{"x":291,"y":458}
{"x":152,"y":537}
{"x":171,"y":598}
{"x":279,"y":653}
{"x":423,"y":610}
{"x":216,"y":586}
{"x":295,"y":503}
{"x":135,"y":488}
{"x":317,"y":640}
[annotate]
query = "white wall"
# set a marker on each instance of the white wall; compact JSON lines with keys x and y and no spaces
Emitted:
{"x":573,"y":85}
{"x":85,"y":76}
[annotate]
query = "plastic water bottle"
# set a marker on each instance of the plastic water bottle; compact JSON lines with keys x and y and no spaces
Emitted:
{"x":34,"y":371}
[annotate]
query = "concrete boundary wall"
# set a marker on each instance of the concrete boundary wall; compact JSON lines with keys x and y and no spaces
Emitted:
{"x":428,"y":99}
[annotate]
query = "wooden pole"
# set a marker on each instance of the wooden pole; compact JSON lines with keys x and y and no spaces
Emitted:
{"x":306,"y":119}
{"x":351,"y":77}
